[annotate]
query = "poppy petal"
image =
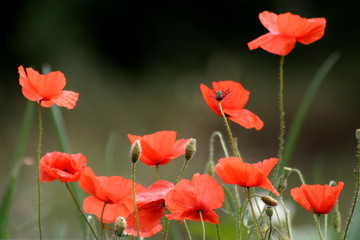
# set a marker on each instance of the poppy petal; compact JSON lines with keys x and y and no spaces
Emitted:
{"x":269,"y":20}
{"x":276,"y":44}
{"x":299,"y":197}
{"x":67,"y":99}
{"x":245,"y":118}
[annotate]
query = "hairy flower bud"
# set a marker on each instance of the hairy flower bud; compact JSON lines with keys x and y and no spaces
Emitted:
{"x":190,"y":149}
{"x":336,"y":219}
{"x":358,"y":134}
{"x":120,"y":225}
{"x":283,"y":180}
{"x":271,"y":202}
{"x":210,"y":168}
{"x":135,"y":151}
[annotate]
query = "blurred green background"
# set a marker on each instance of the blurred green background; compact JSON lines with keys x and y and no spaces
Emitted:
{"x":138,"y":65}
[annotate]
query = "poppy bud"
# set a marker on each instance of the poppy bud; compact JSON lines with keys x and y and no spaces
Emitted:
{"x":190,"y":149}
{"x":336,"y":219}
{"x":283,"y":180}
{"x":271,"y":202}
{"x":269,"y":212}
{"x":358,"y":134}
{"x":120,"y":225}
{"x":135,"y":151}
{"x":210,"y":168}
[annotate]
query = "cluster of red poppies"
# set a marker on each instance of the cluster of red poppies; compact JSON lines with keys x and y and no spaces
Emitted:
{"x":195,"y":199}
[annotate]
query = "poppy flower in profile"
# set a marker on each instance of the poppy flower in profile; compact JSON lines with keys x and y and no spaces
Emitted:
{"x":188,"y":198}
{"x":151,"y":208}
{"x":285,"y":30}
{"x":317,"y":199}
{"x":62,"y":166}
{"x":233,"y":170}
{"x":114,"y":194}
{"x":47,"y":89}
{"x":233,"y":97}
{"x":159,"y":148}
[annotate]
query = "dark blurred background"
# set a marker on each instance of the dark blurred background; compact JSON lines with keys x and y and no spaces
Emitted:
{"x":138,"y":65}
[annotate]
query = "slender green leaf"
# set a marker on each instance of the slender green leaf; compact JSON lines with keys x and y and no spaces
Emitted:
{"x":21,"y":143}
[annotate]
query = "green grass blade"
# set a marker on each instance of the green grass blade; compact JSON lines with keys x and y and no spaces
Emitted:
{"x":21,"y":143}
{"x":300,"y":116}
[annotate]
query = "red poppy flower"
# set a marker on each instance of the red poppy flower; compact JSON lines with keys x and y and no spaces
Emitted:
{"x":202,"y":194}
{"x":317,"y":199}
{"x":115,"y":192}
{"x":151,"y":208}
{"x":46,"y":88}
{"x":233,"y":98}
{"x":285,"y":30}
{"x":159,"y":148}
{"x":233,"y":170}
{"x":62,"y":166}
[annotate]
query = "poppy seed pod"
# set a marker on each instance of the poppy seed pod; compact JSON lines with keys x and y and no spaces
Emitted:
{"x":269,"y":201}
{"x":120,"y":225}
{"x":269,"y":212}
{"x":190,"y":149}
{"x":135,"y":151}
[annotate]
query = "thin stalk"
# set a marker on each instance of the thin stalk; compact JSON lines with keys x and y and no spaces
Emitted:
{"x":38,"y":169}
{"x":234,"y":149}
{"x":203,"y":225}
{"x":157,"y":172}
{"x":317,"y":220}
{"x":218,"y":231}
{"x":325,"y":225}
{"x":182,"y":171}
{"x":166,"y":228}
{"x":281,"y":117}
{"x":101,"y":220}
{"x":134,"y":197}
{"x":279,"y":221}
{"x":270,"y":228}
{"x":247,"y":190}
{"x":287,"y":219}
{"x":223,"y":145}
{"x":357,"y":186}
{"x":299,"y":174}
{"x":79,"y":209}
{"x":243,"y":216}
{"x":187,"y":230}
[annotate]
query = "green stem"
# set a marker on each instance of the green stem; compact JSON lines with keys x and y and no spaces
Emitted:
{"x":357,"y":186}
{"x":187,"y":230}
{"x":134,"y":197}
{"x":270,"y":228}
{"x":202,"y":224}
{"x":182,"y":171}
{"x":299,"y":174}
{"x":317,"y":220}
{"x":157,"y":172}
{"x":234,"y":149}
{"x":79,"y":209}
{"x":101,"y":220}
{"x":218,"y":231}
{"x":223,"y":145}
{"x":242,"y":218}
{"x":253,"y":213}
{"x":287,"y":218}
{"x":38,"y":169}
{"x":281,"y":117}
{"x":166,"y":228}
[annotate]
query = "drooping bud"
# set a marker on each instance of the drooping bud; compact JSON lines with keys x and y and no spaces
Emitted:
{"x":190,"y":149}
{"x":135,"y":151}
{"x":358,"y":134}
{"x":271,"y":202}
{"x":120,"y":225}
{"x":210,"y":168}
{"x":336,"y":219}
{"x":333,"y":183}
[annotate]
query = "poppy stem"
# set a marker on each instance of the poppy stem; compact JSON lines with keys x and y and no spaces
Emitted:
{"x":182,"y":171}
{"x":317,"y":220}
{"x":38,"y":168}
{"x":234,"y":149}
{"x":218,"y":231}
{"x":282,"y":116}
{"x":101,"y":220}
{"x":223,"y":145}
{"x":253,"y":213}
{"x":157,"y":172}
{"x":78,"y":207}
{"x":299,"y":174}
{"x":202,"y":224}
{"x":187,"y":230}
{"x":134,"y":197}
{"x":357,"y":186}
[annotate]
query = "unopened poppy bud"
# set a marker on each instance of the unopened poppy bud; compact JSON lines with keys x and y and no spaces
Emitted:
{"x":358,"y":134}
{"x":135,"y":151}
{"x":120,"y":225}
{"x":336,"y":220}
{"x":210,"y":168}
{"x":269,"y":201}
{"x":269,"y":212}
{"x":190,"y":149}
{"x":283,"y":180}
{"x":333,"y":183}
